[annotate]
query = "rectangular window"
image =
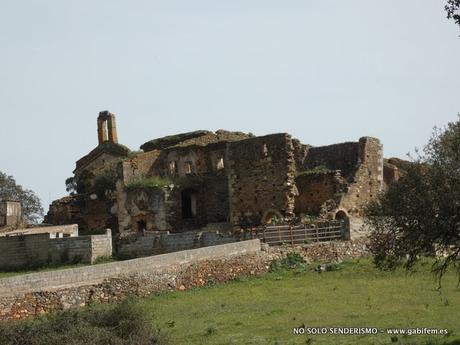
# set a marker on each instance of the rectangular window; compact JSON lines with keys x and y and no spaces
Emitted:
{"x":220,"y":163}
{"x":188,"y":168}
{"x":173,"y":168}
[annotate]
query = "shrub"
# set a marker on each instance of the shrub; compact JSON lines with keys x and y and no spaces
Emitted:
{"x":291,"y":261}
{"x":150,"y":182}
{"x":106,"y":182}
{"x":124,"y":324}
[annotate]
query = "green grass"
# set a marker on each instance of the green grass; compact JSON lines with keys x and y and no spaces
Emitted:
{"x":264,"y":310}
{"x":54,"y":267}
{"x":5,"y":274}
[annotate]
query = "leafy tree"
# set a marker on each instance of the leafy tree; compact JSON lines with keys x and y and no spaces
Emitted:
{"x":71,"y":185}
{"x":420,"y":214}
{"x":453,"y":10}
{"x":31,"y":205}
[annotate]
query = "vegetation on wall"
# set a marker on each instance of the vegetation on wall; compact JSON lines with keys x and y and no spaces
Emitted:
{"x":160,"y":182}
{"x":420,"y":214}
{"x":105,"y":182}
{"x":320,"y":169}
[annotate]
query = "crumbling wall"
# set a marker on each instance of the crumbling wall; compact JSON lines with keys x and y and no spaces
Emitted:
{"x":89,"y":212}
{"x":146,"y":205}
{"x":142,"y":165}
{"x":10,"y":213}
{"x":261,"y":178}
{"x":367,"y":181}
{"x":198,"y":138}
{"x":343,"y":157}
{"x":316,"y":189}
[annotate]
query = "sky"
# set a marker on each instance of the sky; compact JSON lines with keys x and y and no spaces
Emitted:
{"x":324,"y":71}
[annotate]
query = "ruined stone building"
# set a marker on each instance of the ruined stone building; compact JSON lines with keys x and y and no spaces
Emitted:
{"x":191,"y":180}
{"x":10,"y":213}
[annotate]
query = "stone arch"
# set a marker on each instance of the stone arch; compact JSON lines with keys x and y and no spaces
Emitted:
{"x":341,"y":215}
{"x":268,"y":216}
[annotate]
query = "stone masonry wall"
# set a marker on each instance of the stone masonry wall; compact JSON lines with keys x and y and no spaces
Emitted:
{"x":315,"y":190}
{"x":39,"y":293}
{"x":367,"y":181}
{"x":261,"y":178}
{"x":344,"y":157}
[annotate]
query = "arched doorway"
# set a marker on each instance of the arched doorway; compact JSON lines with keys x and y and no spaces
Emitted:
{"x":271,"y":217}
{"x":341,"y":215}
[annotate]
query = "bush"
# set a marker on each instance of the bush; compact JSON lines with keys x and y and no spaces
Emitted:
{"x":124,"y":324}
{"x":106,"y":182}
{"x":291,"y":261}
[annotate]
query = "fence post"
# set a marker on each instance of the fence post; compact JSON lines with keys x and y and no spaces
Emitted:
{"x":317,"y":233}
{"x":292,"y":238}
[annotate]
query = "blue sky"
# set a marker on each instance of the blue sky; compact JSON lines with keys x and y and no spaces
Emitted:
{"x":324,"y":71}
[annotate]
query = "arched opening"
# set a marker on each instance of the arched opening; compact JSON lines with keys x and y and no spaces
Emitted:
{"x":189,"y":199}
{"x":271,"y":217}
{"x":341,"y":215}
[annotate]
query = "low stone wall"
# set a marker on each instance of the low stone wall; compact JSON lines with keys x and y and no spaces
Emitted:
{"x":38,"y":293}
{"x":138,"y":245}
{"x":35,"y":250}
{"x":325,"y":251}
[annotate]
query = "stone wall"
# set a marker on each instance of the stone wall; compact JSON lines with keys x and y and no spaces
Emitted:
{"x":138,"y":245}
{"x":42,"y":281}
{"x":10,"y":213}
{"x":367,"y":181}
{"x":348,"y":176}
{"x":88,"y":211}
{"x":344,"y":157}
{"x":38,"y":293}
{"x":36,"y":250}
{"x":261,"y":178}
{"x":316,"y":189}
{"x":335,"y":251}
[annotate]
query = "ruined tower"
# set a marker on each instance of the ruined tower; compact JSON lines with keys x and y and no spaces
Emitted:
{"x":106,"y":127}
{"x":10,"y":213}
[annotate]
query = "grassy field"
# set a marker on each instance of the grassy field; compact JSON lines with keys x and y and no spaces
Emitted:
{"x":264,"y":310}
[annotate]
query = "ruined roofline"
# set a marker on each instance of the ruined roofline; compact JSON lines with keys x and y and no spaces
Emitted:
{"x":341,"y":143}
{"x":189,"y":139}
{"x":171,"y":140}
{"x":105,"y":147}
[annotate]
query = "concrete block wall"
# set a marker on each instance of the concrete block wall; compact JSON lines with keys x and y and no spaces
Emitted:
{"x":101,"y":245}
{"x":23,"y":251}
{"x":35,"y":250}
{"x":138,"y":245}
